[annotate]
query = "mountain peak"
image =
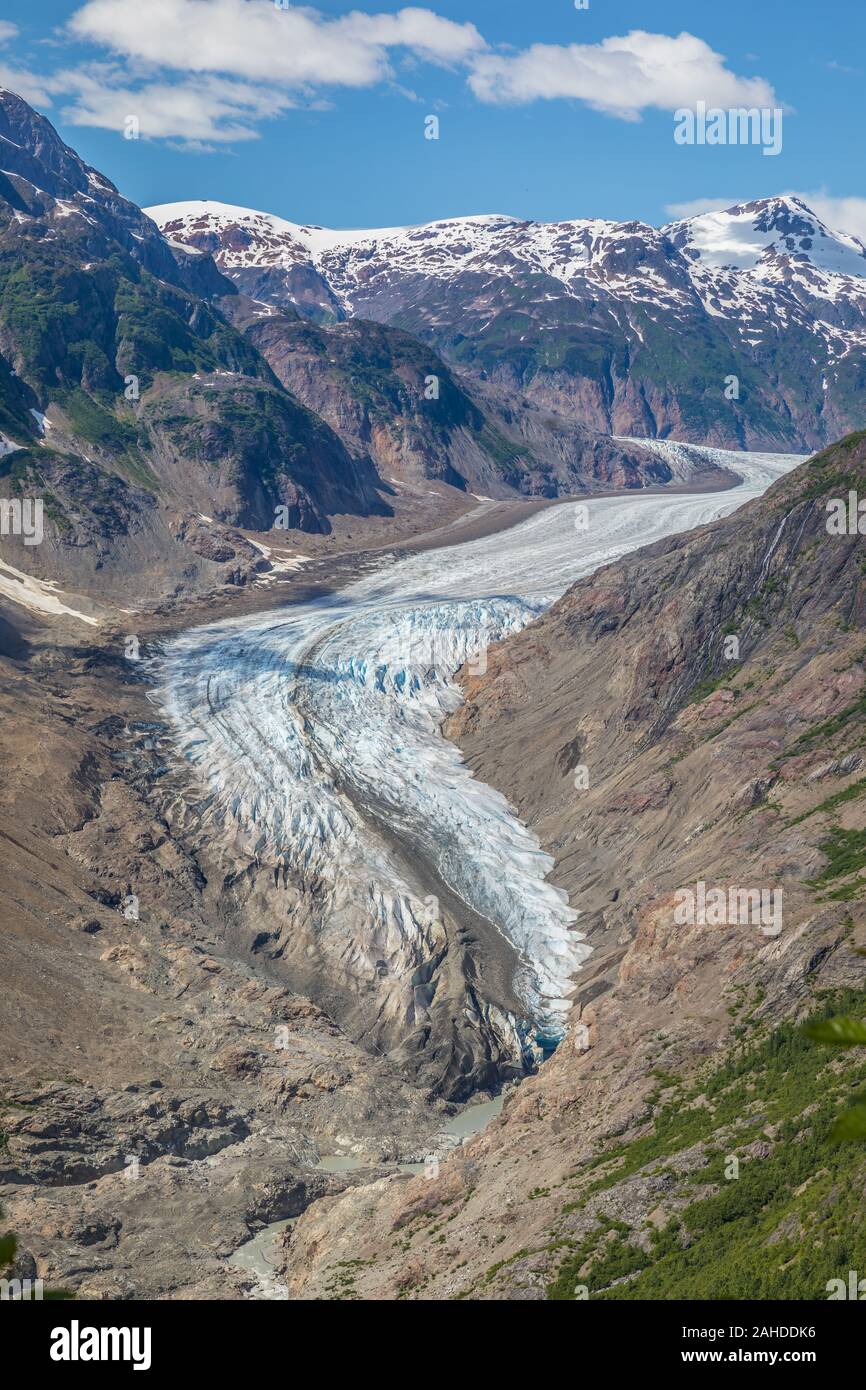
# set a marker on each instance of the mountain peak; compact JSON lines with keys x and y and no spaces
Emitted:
{"x":43,"y":180}
{"x":741,"y":237}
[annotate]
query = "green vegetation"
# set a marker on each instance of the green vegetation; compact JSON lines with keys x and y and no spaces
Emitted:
{"x":828,"y":475}
{"x":754,"y":607}
{"x":342,"y":1277}
{"x":247,"y":423}
{"x":852,"y":793}
{"x":846,"y":853}
{"x":843,"y":1032}
{"x":8,"y":1251}
{"x":536,"y":332}
{"x":787,"y":1223}
{"x":507,"y":455}
{"x":95,"y":421}
{"x":707,"y":687}
{"x":15,"y":420}
{"x":23,"y":475}
{"x":827,"y":728}
{"x":153,"y":333}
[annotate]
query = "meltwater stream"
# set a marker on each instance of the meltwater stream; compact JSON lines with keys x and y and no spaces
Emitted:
{"x":299,"y":720}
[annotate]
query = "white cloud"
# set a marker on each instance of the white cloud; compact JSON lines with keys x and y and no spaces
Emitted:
{"x":16,"y":79}
{"x":201,"y":111}
{"x":839,"y":214}
{"x":29,"y":85}
{"x":256,"y":40}
{"x":210,"y":71}
{"x":425,"y":33}
{"x":695,"y":206}
{"x":621,"y":76}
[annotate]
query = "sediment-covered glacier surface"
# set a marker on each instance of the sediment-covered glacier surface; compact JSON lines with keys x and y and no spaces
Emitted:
{"x":315,"y":728}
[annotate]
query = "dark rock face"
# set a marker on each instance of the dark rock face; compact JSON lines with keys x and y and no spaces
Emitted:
{"x":300,"y":286}
{"x":43,"y":171}
{"x":125,"y":391}
{"x":246,"y":447}
{"x":62,"y":1140}
{"x":396,"y":402}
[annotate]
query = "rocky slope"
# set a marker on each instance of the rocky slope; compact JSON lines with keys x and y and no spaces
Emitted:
{"x":631,"y":329}
{"x":127,"y":400}
{"x":675,"y":1146}
{"x":391,"y":399}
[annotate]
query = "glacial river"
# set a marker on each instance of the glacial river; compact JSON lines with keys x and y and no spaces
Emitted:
{"x":297,"y":720}
{"x":259,"y":1255}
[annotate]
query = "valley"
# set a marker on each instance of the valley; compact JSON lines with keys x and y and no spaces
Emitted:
{"x":617,"y":326}
{"x":401,"y":629}
{"x":315,"y":737}
{"x":608,"y":1174}
{"x":268,"y":1033}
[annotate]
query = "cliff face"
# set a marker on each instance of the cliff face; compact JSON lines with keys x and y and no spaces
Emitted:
{"x":128,"y":403}
{"x":697,"y":715}
{"x":394,"y":401}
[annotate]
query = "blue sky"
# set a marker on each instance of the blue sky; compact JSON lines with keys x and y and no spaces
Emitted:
{"x":545,"y":111}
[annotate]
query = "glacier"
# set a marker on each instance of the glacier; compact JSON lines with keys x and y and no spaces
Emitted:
{"x":313,"y":734}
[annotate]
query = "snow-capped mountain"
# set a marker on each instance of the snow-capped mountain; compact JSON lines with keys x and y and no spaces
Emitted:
{"x":635,"y":329}
{"x":754,"y":240}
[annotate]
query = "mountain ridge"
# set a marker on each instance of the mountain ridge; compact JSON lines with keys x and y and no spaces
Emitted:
{"x":579,"y":314}
{"x":135,"y":400}
{"x":130,"y":404}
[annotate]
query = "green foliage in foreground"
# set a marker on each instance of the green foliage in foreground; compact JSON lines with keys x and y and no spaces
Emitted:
{"x":8,"y":1246}
{"x":843,"y":1032}
{"x":788,"y":1223}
